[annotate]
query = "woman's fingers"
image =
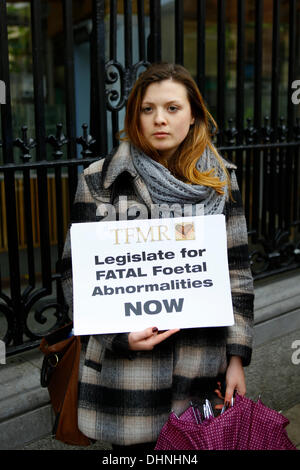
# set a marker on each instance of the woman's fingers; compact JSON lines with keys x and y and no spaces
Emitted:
{"x":148,"y":338}
{"x":164,"y":335}
{"x":139,"y":340}
{"x":235,"y":378}
{"x":144,"y":334}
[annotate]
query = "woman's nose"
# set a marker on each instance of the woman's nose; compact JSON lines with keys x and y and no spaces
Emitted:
{"x":159,"y":117}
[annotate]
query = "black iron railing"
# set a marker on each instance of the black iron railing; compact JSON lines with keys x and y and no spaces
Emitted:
{"x":265,"y":149}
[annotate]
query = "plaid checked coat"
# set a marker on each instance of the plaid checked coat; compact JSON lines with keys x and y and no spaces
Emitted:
{"x":125,"y":397}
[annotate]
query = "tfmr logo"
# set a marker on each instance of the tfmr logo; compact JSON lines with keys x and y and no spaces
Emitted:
{"x":2,"y":92}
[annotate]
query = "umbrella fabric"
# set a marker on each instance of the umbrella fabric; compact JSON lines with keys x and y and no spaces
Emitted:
{"x":245,"y":426}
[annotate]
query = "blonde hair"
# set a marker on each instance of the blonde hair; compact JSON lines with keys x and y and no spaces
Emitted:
{"x":183,"y":162}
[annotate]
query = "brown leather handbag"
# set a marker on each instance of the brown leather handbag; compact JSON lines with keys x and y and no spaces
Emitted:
{"x":60,"y":375}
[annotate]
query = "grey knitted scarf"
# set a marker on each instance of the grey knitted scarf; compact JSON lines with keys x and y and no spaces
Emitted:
{"x":164,"y":188}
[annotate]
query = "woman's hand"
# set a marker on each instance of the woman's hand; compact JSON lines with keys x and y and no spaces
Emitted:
{"x":235,"y":378}
{"x":145,"y":340}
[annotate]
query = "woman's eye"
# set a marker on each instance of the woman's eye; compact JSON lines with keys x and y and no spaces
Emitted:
{"x":173,"y":108}
{"x":146,"y":109}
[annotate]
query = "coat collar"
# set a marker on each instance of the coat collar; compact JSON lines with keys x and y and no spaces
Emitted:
{"x":120,"y":162}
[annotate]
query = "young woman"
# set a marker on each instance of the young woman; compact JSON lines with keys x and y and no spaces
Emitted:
{"x":130,"y":382}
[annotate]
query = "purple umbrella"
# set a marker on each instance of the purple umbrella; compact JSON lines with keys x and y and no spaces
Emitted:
{"x":245,"y":426}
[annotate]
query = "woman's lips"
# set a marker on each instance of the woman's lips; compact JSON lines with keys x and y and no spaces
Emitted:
{"x":161,"y":134}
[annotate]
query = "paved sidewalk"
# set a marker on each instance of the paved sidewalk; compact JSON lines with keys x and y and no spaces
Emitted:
{"x":293,"y":429}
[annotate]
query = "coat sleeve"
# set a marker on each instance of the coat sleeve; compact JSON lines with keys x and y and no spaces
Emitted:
{"x":84,"y":210}
{"x":240,"y":335}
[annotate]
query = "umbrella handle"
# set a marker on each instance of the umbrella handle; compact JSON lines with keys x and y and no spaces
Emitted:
{"x":195,"y":408}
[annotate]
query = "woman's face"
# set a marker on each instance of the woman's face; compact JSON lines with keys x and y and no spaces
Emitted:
{"x":166,"y":116}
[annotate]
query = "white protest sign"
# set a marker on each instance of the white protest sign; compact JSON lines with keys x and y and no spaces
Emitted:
{"x":169,"y":273}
